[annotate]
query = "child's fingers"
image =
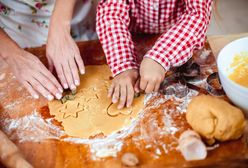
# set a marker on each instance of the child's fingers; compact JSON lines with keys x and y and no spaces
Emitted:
{"x":136,"y":86}
{"x":143,"y":84}
{"x":150,"y":87}
{"x":130,"y":95}
{"x":123,"y":96}
{"x":157,"y":86}
{"x":116,"y":94}
{"x":111,"y":90}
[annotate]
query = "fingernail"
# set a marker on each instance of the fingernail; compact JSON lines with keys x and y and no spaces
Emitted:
{"x":119,"y":107}
{"x":65,"y":86}
{"x":61,"y":90}
{"x":114,"y":100}
{"x":58,"y":95}
{"x":76,"y":82}
{"x":36,"y":96}
{"x":50,"y":97}
{"x":73,"y":87}
{"x":82,"y":71}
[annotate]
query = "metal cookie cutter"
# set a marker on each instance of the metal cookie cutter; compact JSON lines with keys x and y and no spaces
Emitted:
{"x":184,"y":75}
{"x":190,"y":70}
{"x":214,"y":85}
{"x":174,"y":85}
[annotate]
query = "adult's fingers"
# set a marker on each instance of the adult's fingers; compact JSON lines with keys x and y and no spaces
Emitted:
{"x":116,"y":94}
{"x":38,"y":87}
{"x":123,"y":96}
{"x":80,"y":63}
{"x":50,"y":64}
{"x":30,"y":89}
{"x":48,"y":85}
{"x":130,"y":95}
{"x":68,"y":75}
{"x":61,"y":75}
{"x":74,"y":71}
{"x":50,"y":76}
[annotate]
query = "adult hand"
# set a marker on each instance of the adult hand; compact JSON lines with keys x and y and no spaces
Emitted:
{"x":62,"y":51}
{"x":35,"y":77}
{"x":151,"y":75}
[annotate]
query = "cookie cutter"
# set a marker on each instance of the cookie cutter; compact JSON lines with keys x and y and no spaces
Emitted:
{"x":214,"y":86}
{"x":190,"y":70}
{"x":174,"y":85}
{"x":184,"y":75}
{"x":68,"y":95}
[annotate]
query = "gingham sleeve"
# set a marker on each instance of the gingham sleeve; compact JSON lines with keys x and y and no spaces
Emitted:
{"x":112,"y":28}
{"x":175,"y":47}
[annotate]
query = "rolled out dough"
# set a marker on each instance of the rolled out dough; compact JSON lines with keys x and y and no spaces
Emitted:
{"x":87,"y":114}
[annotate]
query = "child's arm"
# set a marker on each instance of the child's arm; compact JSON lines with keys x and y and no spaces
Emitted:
{"x":112,"y":28}
{"x":175,"y":47}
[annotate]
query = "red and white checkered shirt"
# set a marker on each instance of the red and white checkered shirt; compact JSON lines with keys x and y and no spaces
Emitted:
{"x":183,"y":24}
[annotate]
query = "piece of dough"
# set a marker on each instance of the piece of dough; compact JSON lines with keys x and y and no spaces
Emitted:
{"x":214,"y":118}
{"x":191,"y":146}
{"x":87,"y":115}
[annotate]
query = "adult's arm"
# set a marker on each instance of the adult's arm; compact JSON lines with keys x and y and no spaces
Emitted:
{"x":62,"y":51}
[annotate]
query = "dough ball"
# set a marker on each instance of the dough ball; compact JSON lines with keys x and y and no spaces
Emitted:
{"x":215,"y":119}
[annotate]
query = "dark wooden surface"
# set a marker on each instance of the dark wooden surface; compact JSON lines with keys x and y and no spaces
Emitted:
{"x":55,"y":153}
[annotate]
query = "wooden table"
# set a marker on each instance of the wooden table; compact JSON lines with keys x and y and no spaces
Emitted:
{"x":56,"y":153}
{"x":218,"y":42}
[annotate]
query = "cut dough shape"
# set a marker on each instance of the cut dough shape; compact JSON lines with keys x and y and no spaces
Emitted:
{"x":111,"y":110}
{"x":87,"y":115}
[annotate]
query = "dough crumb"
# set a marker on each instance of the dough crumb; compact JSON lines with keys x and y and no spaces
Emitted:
{"x":129,"y":159}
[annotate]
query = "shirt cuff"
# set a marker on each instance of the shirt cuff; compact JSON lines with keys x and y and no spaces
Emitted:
{"x":159,"y":58}
{"x":123,"y":67}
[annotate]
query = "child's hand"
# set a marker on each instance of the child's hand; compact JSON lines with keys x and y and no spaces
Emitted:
{"x":123,"y":87}
{"x":151,"y":75}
